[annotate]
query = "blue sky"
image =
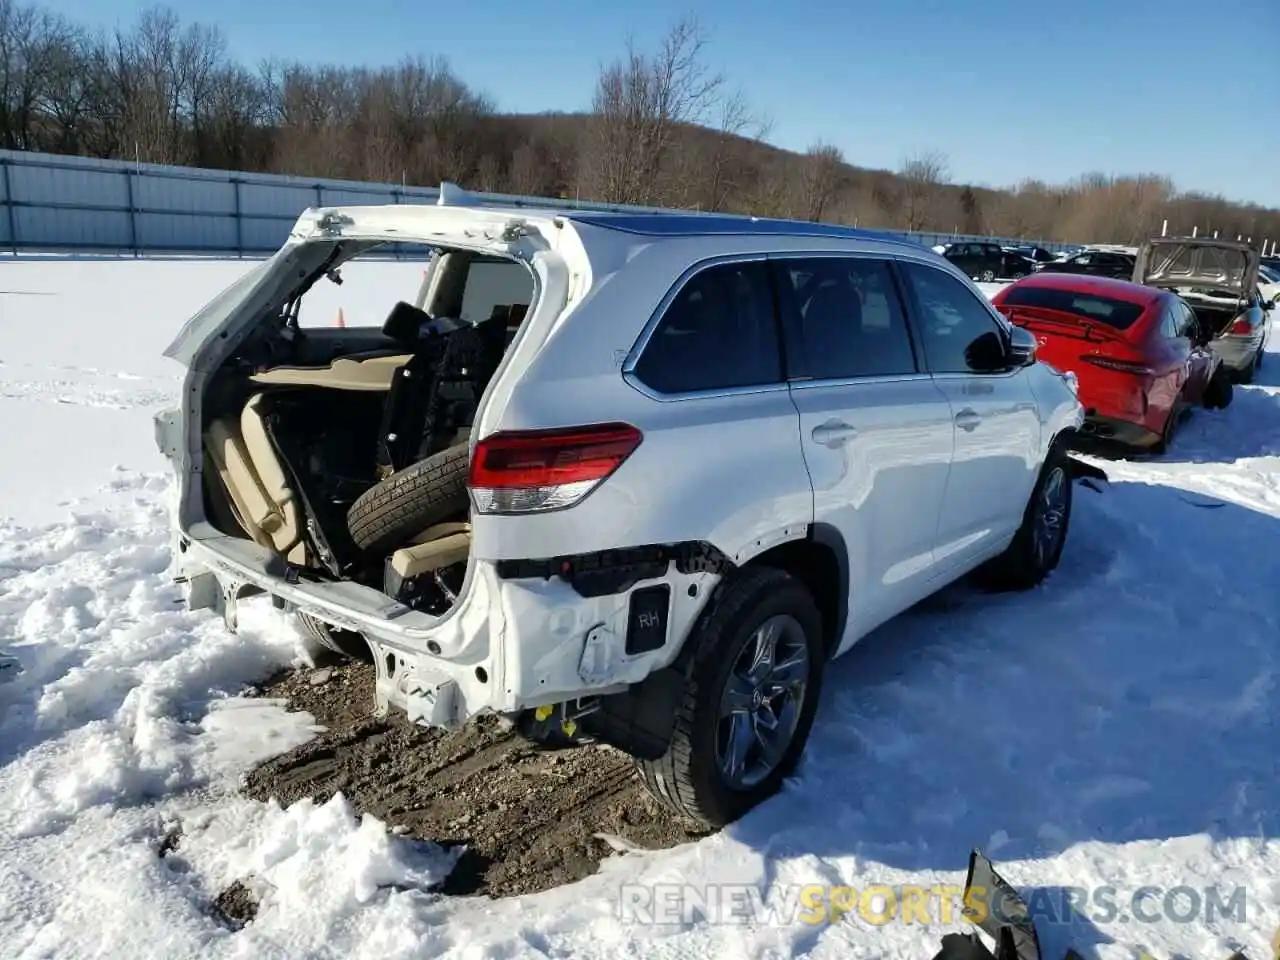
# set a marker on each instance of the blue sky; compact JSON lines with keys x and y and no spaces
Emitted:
{"x":1006,"y":89}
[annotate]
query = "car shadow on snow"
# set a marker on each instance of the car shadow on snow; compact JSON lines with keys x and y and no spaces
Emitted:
{"x":1250,"y":427}
{"x":1128,"y":698}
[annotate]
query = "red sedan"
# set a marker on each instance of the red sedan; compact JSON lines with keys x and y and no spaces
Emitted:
{"x":1137,"y":352}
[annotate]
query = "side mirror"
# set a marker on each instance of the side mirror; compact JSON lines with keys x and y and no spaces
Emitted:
{"x":1022,"y":347}
{"x":986,"y":354}
{"x":1271,"y":304}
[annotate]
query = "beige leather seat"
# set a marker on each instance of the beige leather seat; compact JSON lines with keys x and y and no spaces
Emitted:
{"x":345,"y":373}
{"x":436,"y":547}
{"x":256,"y":483}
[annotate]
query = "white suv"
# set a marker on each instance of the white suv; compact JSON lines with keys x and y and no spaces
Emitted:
{"x":620,"y":476}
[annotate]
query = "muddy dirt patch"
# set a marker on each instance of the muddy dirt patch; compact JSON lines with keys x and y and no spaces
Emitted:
{"x":235,"y":906}
{"x":531,"y":819}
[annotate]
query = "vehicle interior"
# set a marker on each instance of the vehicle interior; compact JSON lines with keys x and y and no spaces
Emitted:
{"x":302,"y":420}
{"x":1215,"y":308}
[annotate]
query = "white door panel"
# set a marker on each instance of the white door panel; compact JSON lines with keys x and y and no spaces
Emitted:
{"x":878,"y":453}
{"x":875,"y":430}
{"x":997,"y":423}
{"x":993,"y":465}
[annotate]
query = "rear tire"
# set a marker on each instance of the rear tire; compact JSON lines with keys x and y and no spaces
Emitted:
{"x":1167,"y":433}
{"x":987,"y":276}
{"x":391,"y":513}
{"x":1037,"y":546}
{"x":1218,"y":394}
{"x":345,"y":644}
{"x":726,"y":705}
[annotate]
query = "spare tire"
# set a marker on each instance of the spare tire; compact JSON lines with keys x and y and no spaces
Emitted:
{"x":393,"y":512}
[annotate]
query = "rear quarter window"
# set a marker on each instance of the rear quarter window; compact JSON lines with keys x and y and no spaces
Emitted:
{"x":1119,"y":314}
{"x":718,"y":333}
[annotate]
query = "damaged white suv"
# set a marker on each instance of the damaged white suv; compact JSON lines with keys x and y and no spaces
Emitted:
{"x":618,"y":476}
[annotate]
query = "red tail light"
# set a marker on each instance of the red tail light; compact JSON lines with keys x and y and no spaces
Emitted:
{"x":1241,"y":327}
{"x":1121,"y":366}
{"x":532,"y":470}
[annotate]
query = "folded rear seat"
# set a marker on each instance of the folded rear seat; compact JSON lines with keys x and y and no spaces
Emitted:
{"x":256,"y":483}
{"x":286,"y":519}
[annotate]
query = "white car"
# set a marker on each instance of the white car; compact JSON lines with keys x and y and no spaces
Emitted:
{"x":1269,"y":283}
{"x":622,"y":476}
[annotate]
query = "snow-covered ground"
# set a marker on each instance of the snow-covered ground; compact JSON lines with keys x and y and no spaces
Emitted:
{"x":1112,"y":732}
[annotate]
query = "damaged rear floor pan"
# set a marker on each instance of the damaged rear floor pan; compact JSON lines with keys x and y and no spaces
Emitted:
{"x":531,"y":819}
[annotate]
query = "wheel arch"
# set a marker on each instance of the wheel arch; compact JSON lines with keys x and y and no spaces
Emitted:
{"x":820,"y":560}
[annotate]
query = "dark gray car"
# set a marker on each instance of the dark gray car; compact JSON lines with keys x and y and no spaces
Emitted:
{"x":1218,"y":279}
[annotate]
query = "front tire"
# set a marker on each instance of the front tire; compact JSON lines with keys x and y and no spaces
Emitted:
{"x":750,"y":693}
{"x":1037,"y":546}
{"x":988,"y":276}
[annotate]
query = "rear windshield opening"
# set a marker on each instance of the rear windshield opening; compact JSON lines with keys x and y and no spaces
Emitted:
{"x":1119,"y":314}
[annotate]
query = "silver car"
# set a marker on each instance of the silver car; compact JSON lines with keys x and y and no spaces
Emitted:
{"x":1218,"y":279}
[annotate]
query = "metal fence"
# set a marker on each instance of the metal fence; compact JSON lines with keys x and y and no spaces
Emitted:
{"x":54,"y":203}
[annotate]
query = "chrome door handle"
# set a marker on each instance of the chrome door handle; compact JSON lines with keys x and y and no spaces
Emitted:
{"x":967,"y":419}
{"x":833,"y":433}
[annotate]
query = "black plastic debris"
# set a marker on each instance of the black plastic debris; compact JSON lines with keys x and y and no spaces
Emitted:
{"x":993,"y":906}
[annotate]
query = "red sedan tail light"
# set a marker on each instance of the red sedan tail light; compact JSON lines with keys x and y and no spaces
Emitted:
{"x":1135,"y":367}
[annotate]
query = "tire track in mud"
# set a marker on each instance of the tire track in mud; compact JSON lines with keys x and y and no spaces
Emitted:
{"x":529,"y":818}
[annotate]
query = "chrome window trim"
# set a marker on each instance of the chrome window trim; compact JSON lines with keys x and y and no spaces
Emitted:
{"x":925,"y":258}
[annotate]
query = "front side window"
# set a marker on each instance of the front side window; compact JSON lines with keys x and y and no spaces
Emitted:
{"x":718,"y":333}
{"x":845,"y":318}
{"x":949,"y":317}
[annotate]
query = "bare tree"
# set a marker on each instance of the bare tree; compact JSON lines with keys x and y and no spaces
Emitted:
{"x":922,"y":175}
{"x":525,"y":174}
{"x":34,"y":47}
{"x":640,"y":105}
{"x":717,"y":172}
{"x":820,"y":177}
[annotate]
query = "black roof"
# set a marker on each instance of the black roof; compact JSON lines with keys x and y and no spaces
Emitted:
{"x":709,"y":224}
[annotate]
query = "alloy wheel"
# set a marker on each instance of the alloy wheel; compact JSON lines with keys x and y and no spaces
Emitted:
{"x":762,"y":700}
{"x":1049,"y":523}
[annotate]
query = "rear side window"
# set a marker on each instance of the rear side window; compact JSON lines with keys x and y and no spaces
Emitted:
{"x":1119,"y":314}
{"x":847,"y":319}
{"x":718,"y":333}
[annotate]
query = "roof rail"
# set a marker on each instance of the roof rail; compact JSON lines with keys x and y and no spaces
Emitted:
{"x":452,"y":195}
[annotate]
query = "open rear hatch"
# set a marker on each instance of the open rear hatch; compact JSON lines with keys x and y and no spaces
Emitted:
{"x":1193,"y":264}
{"x":300,"y":422}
